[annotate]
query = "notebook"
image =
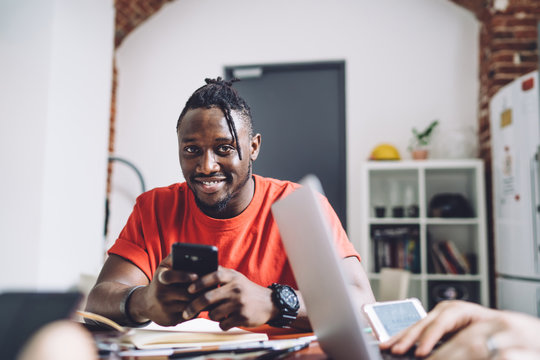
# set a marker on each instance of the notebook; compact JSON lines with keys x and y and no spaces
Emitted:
{"x":23,"y":313}
{"x":197,"y":332}
{"x":337,"y":322}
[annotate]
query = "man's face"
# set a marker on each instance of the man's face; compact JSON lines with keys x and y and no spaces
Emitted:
{"x":220,"y":181}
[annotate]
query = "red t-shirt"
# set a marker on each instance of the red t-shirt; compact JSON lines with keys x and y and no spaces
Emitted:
{"x":249,"y":243}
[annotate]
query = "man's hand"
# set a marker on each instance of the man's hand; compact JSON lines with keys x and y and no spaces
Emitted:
{"x":507,"y":335}
{"x":446,"y":318}
{"x":231,"y":299}
{"x":165,"y":298}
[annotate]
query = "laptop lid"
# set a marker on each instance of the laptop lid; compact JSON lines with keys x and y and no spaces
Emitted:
{"x":336,"y":320}
{"x":23,"y":313}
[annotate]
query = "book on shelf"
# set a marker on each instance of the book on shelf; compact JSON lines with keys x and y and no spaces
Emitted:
{"x":438,"y":267}
{"x":396,"y":247}
{"x":447,"y":259}
{"x":456,"y":257}
{"x":193,"y":333}
{"x":442,"y":265}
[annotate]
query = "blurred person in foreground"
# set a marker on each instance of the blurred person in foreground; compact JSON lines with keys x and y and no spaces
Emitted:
{"x":470,"y":331}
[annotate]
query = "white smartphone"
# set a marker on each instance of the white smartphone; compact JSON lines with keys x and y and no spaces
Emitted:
{"x":387,"y":318}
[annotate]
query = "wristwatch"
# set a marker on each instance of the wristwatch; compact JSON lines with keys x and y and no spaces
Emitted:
{"x":287,"y":303}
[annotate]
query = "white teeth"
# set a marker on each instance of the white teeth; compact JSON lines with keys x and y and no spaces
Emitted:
{"x":208,"y":183}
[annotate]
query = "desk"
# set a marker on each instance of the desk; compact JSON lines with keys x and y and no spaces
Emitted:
{"x":313,"y":352}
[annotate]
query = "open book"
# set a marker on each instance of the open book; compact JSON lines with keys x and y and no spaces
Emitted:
{"x":193,"y":333}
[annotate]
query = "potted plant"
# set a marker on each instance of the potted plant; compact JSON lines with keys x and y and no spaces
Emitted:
{"x":420,"y":141}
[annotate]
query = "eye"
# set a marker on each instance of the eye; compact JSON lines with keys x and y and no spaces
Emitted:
{"x":225,"y":149}
{"x":191,"y":149}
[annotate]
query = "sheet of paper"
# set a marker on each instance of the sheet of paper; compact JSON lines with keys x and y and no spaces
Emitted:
{"x":194,"y":325}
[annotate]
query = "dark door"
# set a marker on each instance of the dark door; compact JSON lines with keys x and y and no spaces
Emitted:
{"x":299,"y":109}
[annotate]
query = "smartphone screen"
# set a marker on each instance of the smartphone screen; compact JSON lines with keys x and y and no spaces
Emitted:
{"x":195,"y":258}
{"x":396,"y":317}
{"x":389,"y":318}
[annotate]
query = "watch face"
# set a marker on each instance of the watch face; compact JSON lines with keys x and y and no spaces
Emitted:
{"x":289,"y":297}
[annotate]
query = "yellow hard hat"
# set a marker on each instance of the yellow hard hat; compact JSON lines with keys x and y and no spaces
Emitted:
{"x":385,"y":152}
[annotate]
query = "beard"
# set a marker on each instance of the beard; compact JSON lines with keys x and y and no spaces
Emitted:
{"x":216,"y":208}
{"x":220,"y":206}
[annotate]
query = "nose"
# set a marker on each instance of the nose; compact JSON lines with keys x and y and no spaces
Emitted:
{"x":208,"y":163}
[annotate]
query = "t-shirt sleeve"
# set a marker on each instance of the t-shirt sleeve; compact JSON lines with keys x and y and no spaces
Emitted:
{"x":131,"y":245}
{"x":344,"y":246}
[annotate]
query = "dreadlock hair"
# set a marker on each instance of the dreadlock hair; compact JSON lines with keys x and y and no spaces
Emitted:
{"x":220,"y":93}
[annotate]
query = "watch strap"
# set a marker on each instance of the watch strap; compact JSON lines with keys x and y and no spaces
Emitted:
{"x":287,"y":313}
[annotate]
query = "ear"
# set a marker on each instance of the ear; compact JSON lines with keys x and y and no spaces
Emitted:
{"x":255,"y":147}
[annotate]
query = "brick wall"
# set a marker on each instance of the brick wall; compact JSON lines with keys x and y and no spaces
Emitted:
{"x":508,"y":49}
{"x":129,"y":15}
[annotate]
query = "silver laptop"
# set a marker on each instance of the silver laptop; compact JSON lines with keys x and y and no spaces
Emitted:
{"x":336,"y":320}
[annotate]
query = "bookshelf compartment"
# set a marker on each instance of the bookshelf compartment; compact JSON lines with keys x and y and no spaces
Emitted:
{"x":452,"y":244}
{"x":396,"y":246}
{"x":415,"y":287}
{"x":451,"y":191}
{"x":453,"y":290}
{"x":395,"y":194}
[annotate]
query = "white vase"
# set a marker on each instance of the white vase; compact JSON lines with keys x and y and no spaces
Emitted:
{"x":456,"y":143}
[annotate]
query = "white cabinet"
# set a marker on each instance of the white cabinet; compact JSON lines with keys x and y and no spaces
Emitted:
{"x":428,"y":217}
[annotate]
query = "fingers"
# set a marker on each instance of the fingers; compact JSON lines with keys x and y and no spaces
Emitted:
{"x":228,"y":300}
{"x":400,"y":343}
{"x":221,"y":276}
{"x":475,"y":326}
{"x":204,"y":301}
{"x":231,"y":322}
{"x":222,"y":311}
{"x":406,"y":338}
{"x":431,"y":334}
{"x":166,"y":296}
{"x":227,"y":312}
{"x":470,"y":343}
{"x":169,"y":277}
{"x":446,"y":317}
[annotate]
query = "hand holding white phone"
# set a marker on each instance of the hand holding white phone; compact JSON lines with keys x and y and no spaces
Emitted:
{"x":387,"y":318}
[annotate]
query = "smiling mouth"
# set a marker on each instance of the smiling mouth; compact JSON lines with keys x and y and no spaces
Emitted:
{"x":209,"y":185}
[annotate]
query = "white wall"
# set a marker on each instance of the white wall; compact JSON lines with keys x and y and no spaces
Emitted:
{"x":407,"y":62}
{"x":56,"y":71}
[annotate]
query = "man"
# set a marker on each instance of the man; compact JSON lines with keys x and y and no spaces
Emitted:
{"x":477,"y":333}
{"x":223,"y":204}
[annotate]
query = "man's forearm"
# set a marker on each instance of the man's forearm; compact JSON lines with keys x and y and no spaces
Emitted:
{"x":302,"y":320}
{"x":361,"y":296}
{"x":106,"y":299}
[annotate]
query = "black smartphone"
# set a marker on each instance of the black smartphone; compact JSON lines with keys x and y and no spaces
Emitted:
{"x":196,"y":258}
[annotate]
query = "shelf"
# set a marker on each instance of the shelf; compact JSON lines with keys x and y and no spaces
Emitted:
{"x":429,"y":221}
{"x":437,"y":277}
{"x":423,"y":164}
{"x":455,"y":221}
{"x":452,"y":277}
{"x":394,"y":220}
{"x":427,"y":245}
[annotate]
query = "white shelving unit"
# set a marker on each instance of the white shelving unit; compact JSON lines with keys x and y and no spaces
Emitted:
{"x":404,"y":189}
